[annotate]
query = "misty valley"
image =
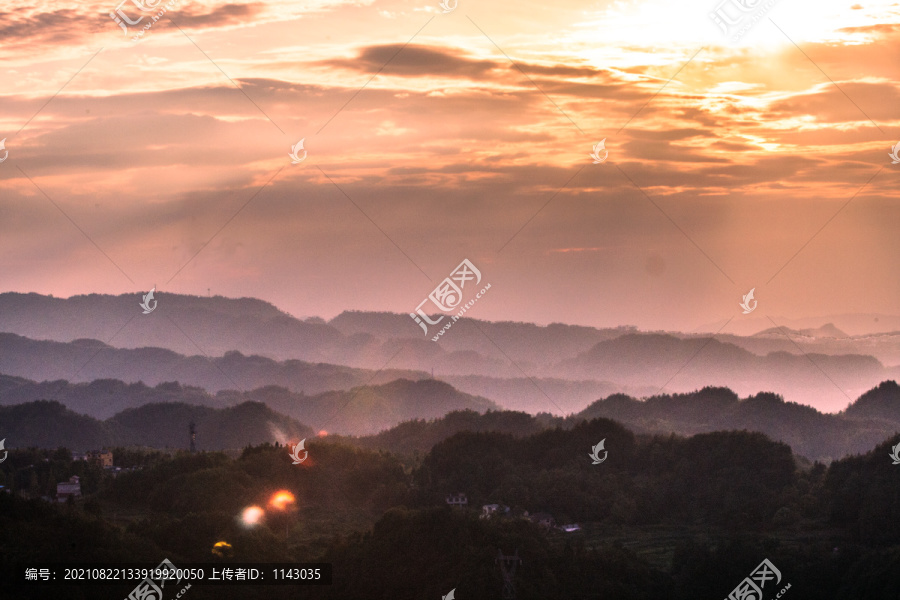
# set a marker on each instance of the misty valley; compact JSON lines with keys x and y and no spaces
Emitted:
{"x":403,"y":484}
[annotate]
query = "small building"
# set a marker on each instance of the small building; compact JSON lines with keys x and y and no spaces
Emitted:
{"x":104,"y":457}
{"x":489,"y":510}
{"x":542,"y":519}
{"x":68,"y":489}
{"x":458,"y":499}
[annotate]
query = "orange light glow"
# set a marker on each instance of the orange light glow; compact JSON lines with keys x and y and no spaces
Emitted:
{"x":281,"y":499}
{"x":252,"y":515}
{"x":322,"y":433}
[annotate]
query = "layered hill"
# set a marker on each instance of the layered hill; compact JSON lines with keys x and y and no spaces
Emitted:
{"x":826,"y":381}
{"x":243,"y":343}
{"x":870,"y":420}
{"x":87,"y":360}
{"x":361,"y":410}
{"x":83,"y":361}
{"x":49,"y":424}
{"x":407,"y":417}
{"x":810,"y":433}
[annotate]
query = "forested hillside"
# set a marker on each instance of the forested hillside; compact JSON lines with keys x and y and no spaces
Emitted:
{"x":659,"y":517}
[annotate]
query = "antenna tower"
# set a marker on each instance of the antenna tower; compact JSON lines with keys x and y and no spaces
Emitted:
{"x":508,"y":569}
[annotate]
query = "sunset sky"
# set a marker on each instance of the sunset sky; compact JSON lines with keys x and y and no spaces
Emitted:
{"x":762,"y":164}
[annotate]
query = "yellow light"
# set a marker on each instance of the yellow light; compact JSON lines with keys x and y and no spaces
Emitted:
{"x":221,"y":549}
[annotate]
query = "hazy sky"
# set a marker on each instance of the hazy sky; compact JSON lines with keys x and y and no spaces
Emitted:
{"x":166,"y":161}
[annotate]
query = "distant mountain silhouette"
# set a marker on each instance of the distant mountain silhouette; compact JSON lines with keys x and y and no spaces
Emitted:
{"x":93,"y":361}
{"x":666,"y":360}
{"x":50,"y":424}
{"x":825,"y":331}
{"x":810,"y":433}
{"x":406,"y":416}
{"x":180,"y":323}
{"x":369,"y":409}
{"x":183,"y":323}
{"x":525,"y":343}
{"x":87,"y":360}
{"x":243,"y":343}
{"x":101,"y":398}
{"x":361,"y":410}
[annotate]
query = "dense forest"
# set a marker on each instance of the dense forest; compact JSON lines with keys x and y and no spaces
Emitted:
{"x":661,"y":517}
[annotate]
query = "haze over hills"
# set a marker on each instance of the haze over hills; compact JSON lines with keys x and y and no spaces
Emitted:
{"x":854,"y":324}
{"x":406,"y":417}
{"x":871,"y":420}
{"x":638,"y":364}
{"x":46,"y":424}
{"x":86,"y":360}
{"x":370,"y":409}
{"x":360,"y":410}
{"x":220,"y":343}
{"x":825,"y":331}
{"x":828,"y":382}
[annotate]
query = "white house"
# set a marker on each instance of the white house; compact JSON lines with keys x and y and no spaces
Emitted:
{"x":68,"y":489}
